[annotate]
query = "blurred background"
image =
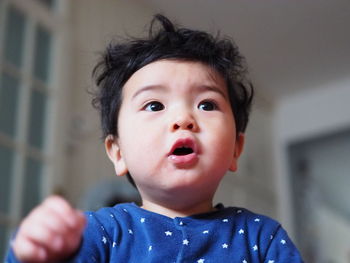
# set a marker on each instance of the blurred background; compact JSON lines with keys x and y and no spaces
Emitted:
{"x":296,"y":164}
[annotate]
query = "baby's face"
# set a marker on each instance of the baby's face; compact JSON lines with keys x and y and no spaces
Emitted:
{"x":176,"y":130}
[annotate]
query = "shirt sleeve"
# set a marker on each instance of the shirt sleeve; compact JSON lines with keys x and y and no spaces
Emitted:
{"x":95,"y":245}
{"x":282,"y":249}
{"x":11,"y":257}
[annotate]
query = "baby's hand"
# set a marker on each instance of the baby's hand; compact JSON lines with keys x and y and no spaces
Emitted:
{"x":51,"y":232}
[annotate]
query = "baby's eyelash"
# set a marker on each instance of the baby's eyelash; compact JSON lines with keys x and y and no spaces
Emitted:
{"x":208,"y":105}
{"x":153,"y":106}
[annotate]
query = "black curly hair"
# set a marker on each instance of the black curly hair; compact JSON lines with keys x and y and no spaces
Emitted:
{"x":120,"y":61}
{"x":168,"y":41}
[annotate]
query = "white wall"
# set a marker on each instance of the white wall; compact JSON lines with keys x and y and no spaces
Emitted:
{"x":305,"y":115}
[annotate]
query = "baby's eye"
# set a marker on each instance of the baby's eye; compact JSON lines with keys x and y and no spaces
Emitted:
{"x":154,"y":106}
{"x":207,"y":106}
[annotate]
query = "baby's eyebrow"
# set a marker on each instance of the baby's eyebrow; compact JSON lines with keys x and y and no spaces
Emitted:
{"x":148,"y":88}
{"x":200,"y":88}
{"x":215,"y":89}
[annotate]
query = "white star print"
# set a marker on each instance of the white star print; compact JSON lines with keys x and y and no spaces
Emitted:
{"x":224,"y":245}
{"x":130,"y":231}
{"x":181,"y":223}
{"x":142,"y":220}
{"x":244,"y":261}
{"x":255,"y":248}
{"x":104,"y":240}
{"x":241,"y":231}
{"x":225,"y":220}
{"x":283,"y":242}
{"x":168,"y":233}
{"x":239,"y":211}
{"x":271,"y":261}
{"x":271,"y":237}
{"x":126,"y":211}
{"x":200,"y":260}
{"x":257,"y":220}
{"x":114,"y":244}
{"x":111,"y":215}
{"x":149,"y":248}
{"x":206,"y":232}
{"x":185,"y":242}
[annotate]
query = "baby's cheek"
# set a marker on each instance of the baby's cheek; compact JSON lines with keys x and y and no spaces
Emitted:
{"x":223,"y":150}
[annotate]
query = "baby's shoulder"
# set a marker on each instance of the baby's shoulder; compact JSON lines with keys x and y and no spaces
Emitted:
{"x":111,"y":218}
{"x":249,"y":219}
{"x":118,"y":212}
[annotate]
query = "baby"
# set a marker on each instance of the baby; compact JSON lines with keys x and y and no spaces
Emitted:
{"x":174,"y":108}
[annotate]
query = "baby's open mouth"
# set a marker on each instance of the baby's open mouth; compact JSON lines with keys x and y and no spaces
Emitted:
{"x":183,"y":147}
{"x":182,"y":151}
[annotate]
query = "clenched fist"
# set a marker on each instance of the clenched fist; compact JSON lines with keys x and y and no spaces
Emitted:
{"x":51,"y":232}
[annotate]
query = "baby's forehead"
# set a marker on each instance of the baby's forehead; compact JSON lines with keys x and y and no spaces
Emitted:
{"x":161,"y":75}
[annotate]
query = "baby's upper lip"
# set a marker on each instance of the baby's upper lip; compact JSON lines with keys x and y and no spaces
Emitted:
{"x":184,"y":142}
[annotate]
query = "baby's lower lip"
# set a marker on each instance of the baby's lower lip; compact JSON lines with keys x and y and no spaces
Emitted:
{"x":183,"y":159}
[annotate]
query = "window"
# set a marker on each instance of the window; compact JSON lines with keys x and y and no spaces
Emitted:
{"x":27,"y":48}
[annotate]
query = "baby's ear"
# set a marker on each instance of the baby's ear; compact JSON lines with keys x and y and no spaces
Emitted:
{"x":115,"y":155}
{"x":238,"y":151}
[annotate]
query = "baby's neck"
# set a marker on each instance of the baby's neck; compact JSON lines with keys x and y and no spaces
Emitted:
{"x":181,"y":211}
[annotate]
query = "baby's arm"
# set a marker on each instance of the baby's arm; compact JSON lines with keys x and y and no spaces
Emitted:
{"x":51,"y":232}
{"x":281,"y":248}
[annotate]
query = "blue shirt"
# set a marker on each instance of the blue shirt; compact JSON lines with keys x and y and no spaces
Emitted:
{"x":128,"y":233}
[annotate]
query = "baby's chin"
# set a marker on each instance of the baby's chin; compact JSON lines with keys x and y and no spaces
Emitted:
{"x":182,"y":187}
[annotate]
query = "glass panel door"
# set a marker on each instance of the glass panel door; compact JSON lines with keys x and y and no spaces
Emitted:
{"x":6,"y":164}
{"x":32,"y":185}
{"x":9,"y":95}
{"x":14,"y":37}
{"x":26,"y":41}
{"x":320,"y":179}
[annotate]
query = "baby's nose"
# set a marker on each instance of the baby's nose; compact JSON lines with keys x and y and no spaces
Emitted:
{"x":188,"y":126}
{"x":184,"y":122}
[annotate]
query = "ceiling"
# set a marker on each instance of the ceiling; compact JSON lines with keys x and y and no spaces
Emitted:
{"x":289,"y":45}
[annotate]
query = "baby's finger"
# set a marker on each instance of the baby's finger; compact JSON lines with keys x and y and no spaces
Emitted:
{"x":51,"y":220}
{"x":53,"y":215}
{"x":27,"y":251}
{"x":57,"y":223}
{"x":64,"y":210}
{"x":42,"y":236}
{"x":71,"y":236}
